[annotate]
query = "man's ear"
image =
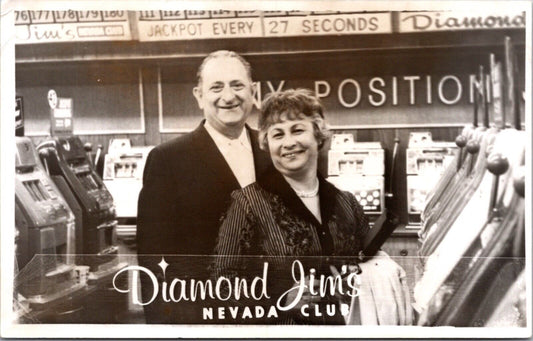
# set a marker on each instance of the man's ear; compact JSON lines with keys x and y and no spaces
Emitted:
{"x":254,"y":88}
{"x":197,"y":92}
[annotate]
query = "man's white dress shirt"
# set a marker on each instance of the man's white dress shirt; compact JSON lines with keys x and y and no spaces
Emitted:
{"x":237,"y":153}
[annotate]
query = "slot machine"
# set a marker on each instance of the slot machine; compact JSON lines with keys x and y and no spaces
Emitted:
{"x":359,"y":167}
{"x":123,"y":172}
{"x":47,"y":275}
{"x":426,"y":161}
{"x":66,"y":159}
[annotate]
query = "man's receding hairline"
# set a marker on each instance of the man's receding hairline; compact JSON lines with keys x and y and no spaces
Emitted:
{"x":220,"y":55}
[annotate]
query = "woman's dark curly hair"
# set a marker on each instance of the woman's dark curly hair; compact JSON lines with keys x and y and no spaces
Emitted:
{"x":292,"y":104}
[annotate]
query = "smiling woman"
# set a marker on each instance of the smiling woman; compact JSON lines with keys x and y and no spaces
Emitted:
{"x":293,"y":147}
{"x":292,"y":210}
{"x":293,"y":130}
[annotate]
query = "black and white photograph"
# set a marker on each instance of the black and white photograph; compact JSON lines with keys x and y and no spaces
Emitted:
{"x":280,"y":169}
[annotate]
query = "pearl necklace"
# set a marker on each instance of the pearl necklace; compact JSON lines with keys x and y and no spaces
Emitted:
{"x":309,"y":194}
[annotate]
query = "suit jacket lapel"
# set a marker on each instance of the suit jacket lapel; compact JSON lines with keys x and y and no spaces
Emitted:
{"x":214,"y":161}
{"x":327,"y":193}
{"x":262,"y":159}
{"x":207,"y":153}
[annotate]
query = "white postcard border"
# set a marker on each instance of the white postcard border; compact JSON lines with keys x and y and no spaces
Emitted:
{"x":7,"y":93}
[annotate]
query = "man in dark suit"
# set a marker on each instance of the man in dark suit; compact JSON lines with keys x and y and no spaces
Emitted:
{"x":188,"y":181}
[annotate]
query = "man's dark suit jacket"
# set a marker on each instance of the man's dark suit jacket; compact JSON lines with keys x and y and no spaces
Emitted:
{"x":186,"y":191}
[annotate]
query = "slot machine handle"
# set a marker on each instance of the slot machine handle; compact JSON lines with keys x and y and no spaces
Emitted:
{"x":483,"y":85}
{"x":98,"y":153}
{"x":460,"y":141}
{"x":393,"y":165}
{"x":88,"y":147}
{"x":472,"y":147}
{"x":44,"y":154}
{"x":512,"y":88}
{"x":497,"y":164}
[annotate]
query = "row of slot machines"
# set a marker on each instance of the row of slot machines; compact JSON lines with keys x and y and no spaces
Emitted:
{"x":359,"y":167}
{"x":472,"y":240}
{"x":66,"y":247}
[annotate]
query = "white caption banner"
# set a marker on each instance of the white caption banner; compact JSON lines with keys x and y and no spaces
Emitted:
{"x":449,"y":21}
{"x":160,"y":25}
